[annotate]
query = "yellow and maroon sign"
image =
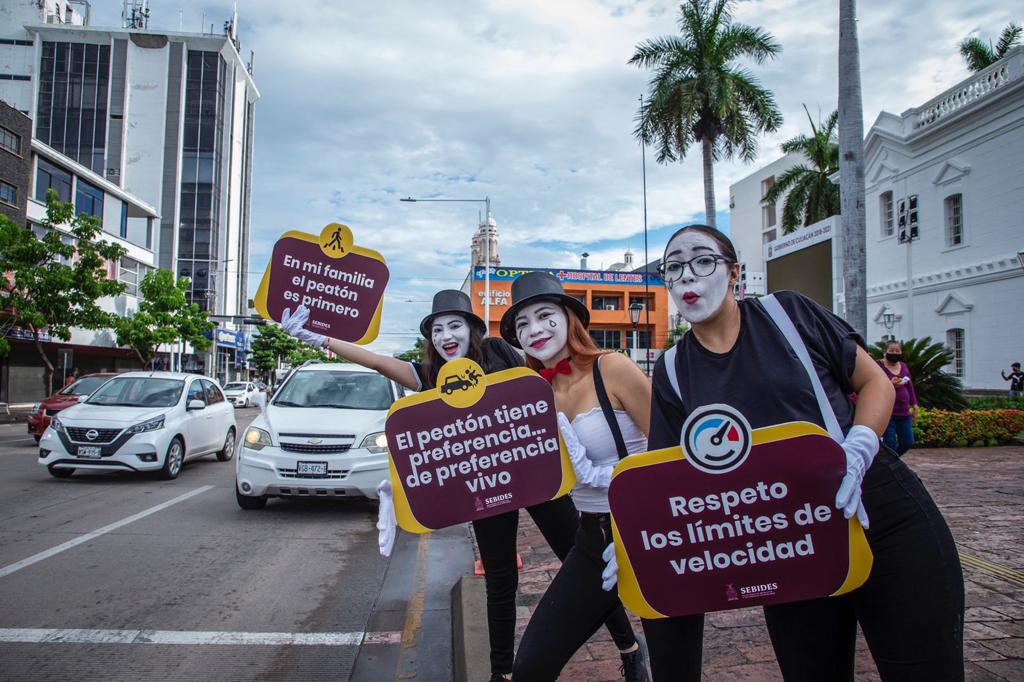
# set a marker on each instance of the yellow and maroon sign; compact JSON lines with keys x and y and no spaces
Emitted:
{"x":476,"y":446}
{"x":342,"y":284}
{"x":734,"y":518}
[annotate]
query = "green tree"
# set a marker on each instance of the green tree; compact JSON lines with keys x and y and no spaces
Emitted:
{"x":812,"y":196}
{"x":414,"y":354}
{"x":304,"y":352}
{"x":271,"y":346}
{"x":979,"y":55}
{"x":164,"y":316}
{"x":934,"y":387}
{"x":55,"y":286}
{"x":698,"y":93}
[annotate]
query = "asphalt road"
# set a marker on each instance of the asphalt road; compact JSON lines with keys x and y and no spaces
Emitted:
{"x":118,"y":576}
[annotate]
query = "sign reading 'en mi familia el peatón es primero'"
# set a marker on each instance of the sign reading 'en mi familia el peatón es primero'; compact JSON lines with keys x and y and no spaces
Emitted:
{"x":342,"y":284}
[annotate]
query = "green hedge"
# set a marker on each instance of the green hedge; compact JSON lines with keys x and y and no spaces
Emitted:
{"x":995,"y":403}
{"x":939,"y":428}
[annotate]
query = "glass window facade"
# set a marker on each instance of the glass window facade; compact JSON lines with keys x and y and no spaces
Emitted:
{"x":71,"y":115}
{"x":130,"y":273}
{"x":49,"y":176}
{"x":885,"y":213}
{"x":10,"y":141}
{"x":8,"y":193}
{"x":88,"y":199}
{"x":954,"y":205}
{"x":607,"y":338}
{"x":201,"y":174}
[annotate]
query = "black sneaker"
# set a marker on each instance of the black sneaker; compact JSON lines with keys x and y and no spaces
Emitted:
{"x":634,"y":664}
{"x":498,"y":677}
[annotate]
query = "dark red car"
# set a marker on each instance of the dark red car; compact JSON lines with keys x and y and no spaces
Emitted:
{"x":39,"y":418}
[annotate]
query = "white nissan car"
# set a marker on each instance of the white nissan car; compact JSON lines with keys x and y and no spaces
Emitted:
{"x":322,"y":435}
{"x":141,"y":421}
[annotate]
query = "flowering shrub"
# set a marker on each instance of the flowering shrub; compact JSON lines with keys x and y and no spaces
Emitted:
{"x":939,"y":428}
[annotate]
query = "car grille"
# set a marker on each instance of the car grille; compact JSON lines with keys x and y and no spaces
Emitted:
{"x":322,"y":449}
{"x":335,"y":474}
{"x":77,"y":434}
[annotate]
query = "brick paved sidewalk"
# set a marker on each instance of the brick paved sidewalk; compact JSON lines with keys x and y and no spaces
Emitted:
{"x":981,"y":493}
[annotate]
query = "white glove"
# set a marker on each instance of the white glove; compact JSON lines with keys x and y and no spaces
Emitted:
{"x":387,"y":526}
{"x":586,"y":473}
{"x":860,"y":448}
{"x":610,"y":574}
{"x":294,"y":324}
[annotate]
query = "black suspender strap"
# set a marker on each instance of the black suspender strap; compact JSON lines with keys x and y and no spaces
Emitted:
{"x":609,"y":414}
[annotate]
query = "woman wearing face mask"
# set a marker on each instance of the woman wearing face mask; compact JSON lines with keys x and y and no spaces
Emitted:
{"x":758,"y":356}
{"x":455,"y":331}
{"x":899,"y":435}
{"x":602,"y":401}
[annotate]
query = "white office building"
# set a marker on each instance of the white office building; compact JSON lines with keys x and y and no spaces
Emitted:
{"x":166,"y":117}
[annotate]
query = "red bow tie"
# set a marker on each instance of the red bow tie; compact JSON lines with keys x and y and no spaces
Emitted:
{"x":563,"y":367}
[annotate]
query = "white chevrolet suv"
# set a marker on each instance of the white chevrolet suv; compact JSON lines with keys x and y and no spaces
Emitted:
{"x":322,"y":435}
{"x":141,"y":421}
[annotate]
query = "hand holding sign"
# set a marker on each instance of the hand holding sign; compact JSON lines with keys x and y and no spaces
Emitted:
{"x":735,"y":517}
{"x":341,"y":285}
{"x":475,"y":446}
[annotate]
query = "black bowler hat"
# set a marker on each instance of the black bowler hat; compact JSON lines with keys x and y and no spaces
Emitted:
{"x":531,"y":288}
{"x":451,"y":302}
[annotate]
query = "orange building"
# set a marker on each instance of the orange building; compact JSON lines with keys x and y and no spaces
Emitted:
{"x":607,"y":295}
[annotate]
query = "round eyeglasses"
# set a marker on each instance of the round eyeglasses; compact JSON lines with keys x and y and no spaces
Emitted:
{"x":701,"y":266}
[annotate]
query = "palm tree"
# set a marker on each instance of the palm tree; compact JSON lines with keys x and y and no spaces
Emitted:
{"x":851,"y":176}
{"x":699,"y":94}
{"x":978,"y":54}
{"x":812,"y":196}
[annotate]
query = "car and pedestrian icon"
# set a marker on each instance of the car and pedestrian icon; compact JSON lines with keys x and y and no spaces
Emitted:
{"x":456,"y":382}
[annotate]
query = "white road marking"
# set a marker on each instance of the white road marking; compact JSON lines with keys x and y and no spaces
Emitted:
{"x":194,"y":638}
{"x":46,"y":554}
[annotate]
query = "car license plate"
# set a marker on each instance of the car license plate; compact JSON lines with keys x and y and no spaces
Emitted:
{"x":90,"y":451}
{"x":315,"y":468}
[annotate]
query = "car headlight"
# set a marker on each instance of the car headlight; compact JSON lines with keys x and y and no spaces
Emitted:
{"x":257,"y":439}
{"x":151,"y":425}
{"x":35,"y":408}
{"x":375,"y":442}
{"x":56,"y":425}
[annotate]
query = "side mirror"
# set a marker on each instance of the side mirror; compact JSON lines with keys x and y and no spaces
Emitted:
{"x":196,"y":404}
{"x":82,"y":397}
{"x":261,"y":400}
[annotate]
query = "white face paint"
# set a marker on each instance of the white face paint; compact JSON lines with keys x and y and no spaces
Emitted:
{"x":697,"y":298}
{"x":450,"y":336}
{"x":542,"y":330}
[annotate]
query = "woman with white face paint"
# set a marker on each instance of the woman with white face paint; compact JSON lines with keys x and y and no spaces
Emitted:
{"x":602,"y":401}
{"x":455,"y":331}
{"x":747,"y":354}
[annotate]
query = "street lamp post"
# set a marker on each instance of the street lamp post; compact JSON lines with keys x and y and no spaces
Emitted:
{"x":634,"y":315}
{"x":487,"y":248}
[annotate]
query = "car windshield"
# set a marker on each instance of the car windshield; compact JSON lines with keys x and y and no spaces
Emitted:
{"x":85,"y":386}
{"x":337,"y":389}
{"x":234,"y":386}
{"x":139,"y":392}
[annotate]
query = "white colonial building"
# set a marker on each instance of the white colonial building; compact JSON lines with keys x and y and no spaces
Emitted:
{"x":945,"y":226}
{"x":945,"y":222}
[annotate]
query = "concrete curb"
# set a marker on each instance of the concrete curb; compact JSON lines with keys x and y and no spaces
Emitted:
{"x":470,"y":639}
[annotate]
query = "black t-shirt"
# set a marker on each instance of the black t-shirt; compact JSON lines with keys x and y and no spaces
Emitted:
{"x":498,"y":355}
{"x":761,"y":376}
{"x":1016,"y":381}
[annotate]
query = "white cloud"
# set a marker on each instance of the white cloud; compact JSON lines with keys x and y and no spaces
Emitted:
{"x":530,"y":102}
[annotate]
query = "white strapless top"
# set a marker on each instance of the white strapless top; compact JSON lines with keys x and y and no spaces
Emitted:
{"x":595,"y":435}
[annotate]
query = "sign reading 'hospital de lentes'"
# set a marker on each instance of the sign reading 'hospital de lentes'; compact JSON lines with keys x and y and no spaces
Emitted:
{"x":342,"y":284}
{"x":734,"y":518}
{"x":476,"y":446}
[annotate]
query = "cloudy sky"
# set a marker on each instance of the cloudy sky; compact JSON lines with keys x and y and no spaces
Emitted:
{"x":529,"y":102}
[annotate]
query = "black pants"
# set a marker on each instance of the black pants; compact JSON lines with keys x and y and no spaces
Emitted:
{"x":911,"y":609}
{"x":573,"y":608}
